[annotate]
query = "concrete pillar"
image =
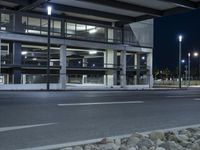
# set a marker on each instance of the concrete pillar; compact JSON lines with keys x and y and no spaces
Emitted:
{"x":63,"y":64}
{"x":18,"y":26}
{"x":0,"y":58}
{"x":23,"y":79}
{"x":110,"y":35}
{"x":17,"y":49}
{"x":63,"y":28}
{"x":150,"y":67}
{"x":84,"y":77}
{"x":123,"y":68}
{"x":110,"y":60}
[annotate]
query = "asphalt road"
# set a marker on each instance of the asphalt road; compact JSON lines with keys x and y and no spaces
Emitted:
{"x":32,"y":119}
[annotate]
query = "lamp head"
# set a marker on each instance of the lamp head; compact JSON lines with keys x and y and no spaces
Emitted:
{"x":180,"y":38}
{"x":49,"y":10}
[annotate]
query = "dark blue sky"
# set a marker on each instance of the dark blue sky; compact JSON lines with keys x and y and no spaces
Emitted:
{"x":166,"y":31}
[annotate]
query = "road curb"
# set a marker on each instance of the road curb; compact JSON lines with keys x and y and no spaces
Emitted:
{"x":70,"y":144}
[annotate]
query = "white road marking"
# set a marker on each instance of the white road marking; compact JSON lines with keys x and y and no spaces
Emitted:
{"x":197,"y":99}
{"x":101,"y":103}
{"x":179,"y":96}
{"x":70,"y":144}
{"x":3,"y":129}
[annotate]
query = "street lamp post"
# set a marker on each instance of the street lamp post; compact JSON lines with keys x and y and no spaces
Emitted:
{"x":49,"y":9}
{"x":189,"y":68}
{"x":196,"y":54}
{"x":180,"y":53}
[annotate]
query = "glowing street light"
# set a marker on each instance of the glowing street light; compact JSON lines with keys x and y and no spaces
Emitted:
{"x":180,"y":55}
{"x":189,"y":68}
{"x":180,"y":38}
{"x":49,"y":11}
{"x":143,"y":58}
{"x":196,"y":54}
{"x":183,"y":61}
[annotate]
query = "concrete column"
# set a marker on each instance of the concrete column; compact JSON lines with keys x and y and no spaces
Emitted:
{"x":23,"y":79}
{"x":0,"y":58}
{"x":110,"y":35}
{"x":63,"y":64}
{"x":17,"y":62}
{"x":150,"y":67}
{"x":63,"y":28}
{"x":18,"y":26}
{"x":110,"y":59}
{"x":84,"y":77}
{"x":123,"y":69}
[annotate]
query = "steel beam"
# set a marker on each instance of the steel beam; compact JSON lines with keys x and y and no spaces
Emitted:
{"x":126,"y":6}
{"x":90,"y":12}
{"x":32,"y":4}
{"x":183,"y":3}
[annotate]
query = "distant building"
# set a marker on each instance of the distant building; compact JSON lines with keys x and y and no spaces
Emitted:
{"x":92,"y":44}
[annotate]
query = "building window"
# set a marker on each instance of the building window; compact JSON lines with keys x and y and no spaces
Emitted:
{"x":5,"y":22}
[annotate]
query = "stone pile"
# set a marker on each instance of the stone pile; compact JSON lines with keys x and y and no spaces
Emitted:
{"x":184,"y":139}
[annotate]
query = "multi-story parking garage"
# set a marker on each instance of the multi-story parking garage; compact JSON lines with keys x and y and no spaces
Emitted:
{"x":94,"y":43}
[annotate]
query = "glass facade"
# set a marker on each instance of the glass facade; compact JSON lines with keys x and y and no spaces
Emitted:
{"x":36,"y":24}
{"x":26,"y":62}
{"x":32,"y":25}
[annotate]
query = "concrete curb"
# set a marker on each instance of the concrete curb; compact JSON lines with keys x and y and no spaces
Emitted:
{"x":70,"y":144}
{"x":76,"y":90}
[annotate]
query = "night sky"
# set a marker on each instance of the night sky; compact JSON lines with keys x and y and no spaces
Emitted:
{"x":166,"y":31}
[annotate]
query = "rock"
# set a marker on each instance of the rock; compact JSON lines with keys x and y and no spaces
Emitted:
{"x":196,"y":135}
{"x":146,"y":143}
{"x":90,"y":147}
{"x":77,"y":148}
{"x":132,"y":148}
{"x":158,"y":142}
{"x":182,"y":138}
{"x":123,"y":148}
{"x":109,"y":146}
{"x":124,"y":141}
{"x":118,"y":141}
{"x":138,"y":135}
{"x":143,"y":148}
{"x":171,"y":145}
{"x":154,"y":136}
{"x":132,"y":141}
{"x":160,"y":148}
{"x":185,"y":144}
{"x":67,"y":148}
{"x":195,"y":146}
{"x":171,"y":136}
{"x":185,"y":132}
{"x":106,"y":140}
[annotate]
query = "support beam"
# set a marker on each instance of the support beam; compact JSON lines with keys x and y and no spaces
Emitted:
{"x":32,"y":4}
{"x":183,"y":3}
{"x":19,"y":2}
{"x":150,"y":67}
{"x":63,"y":66}
{"x":84,"y":11}
{"x":174,"y":11}
{"x":17,"y":62}
{"x":125,"y":6}
{"x":123,"y":69}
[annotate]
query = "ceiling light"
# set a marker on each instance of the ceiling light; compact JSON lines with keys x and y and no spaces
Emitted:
{"x":24,"y":52}
{"x":92,"y":31}
{"x":92,"y":52}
